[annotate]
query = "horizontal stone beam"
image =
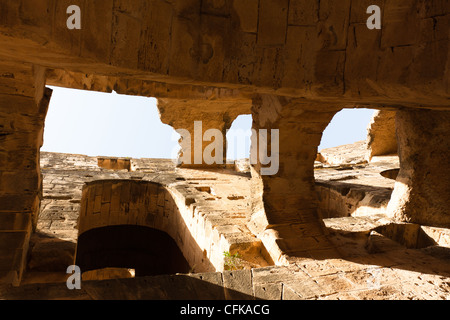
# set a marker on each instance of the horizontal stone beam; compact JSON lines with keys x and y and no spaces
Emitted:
{"x":270,"y":48}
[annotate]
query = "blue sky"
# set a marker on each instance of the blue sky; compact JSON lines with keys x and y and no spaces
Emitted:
{"x":347,"y":126}
{"x":102,"y":124}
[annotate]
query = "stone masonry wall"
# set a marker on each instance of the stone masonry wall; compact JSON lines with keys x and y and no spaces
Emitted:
{"x":112,"y":203}
{"x":422,"y":190}
{"x":23,"y":106}
{"x":211,"y":207}
{"x":371,"y":266}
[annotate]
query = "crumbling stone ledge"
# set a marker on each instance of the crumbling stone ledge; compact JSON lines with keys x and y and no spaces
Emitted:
{"x":330,"y":279}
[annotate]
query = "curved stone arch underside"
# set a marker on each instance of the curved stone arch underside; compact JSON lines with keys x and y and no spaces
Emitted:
{"x":107,"y":203}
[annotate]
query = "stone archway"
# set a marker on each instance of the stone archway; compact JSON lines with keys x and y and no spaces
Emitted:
{"x":139,"y":210}
{"x":145,"y":250}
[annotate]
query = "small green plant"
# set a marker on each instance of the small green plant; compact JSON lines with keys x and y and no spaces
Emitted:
{"x":192,"y":269}
{"x":232,"y":261}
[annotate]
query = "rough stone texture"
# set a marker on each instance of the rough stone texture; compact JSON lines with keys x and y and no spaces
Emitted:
{"x":107,"y":203}
{"x":23,"y":107}
{"x":294,"y":64}
{"x":370,"y":264}
{"x":422,"y":190}
{"x":238,"y":284}
{"x":114,"y":163}
{"x":218,"y":115}
{"x":321,"y":50}
{"x":351,"y":186}
{"x":392,"y":273}
{"x":358,"y":195}
{"x":346,"y":154}
{"x":204,"y":212}
{"x":285,"y":203}
{"x":381,"y":138}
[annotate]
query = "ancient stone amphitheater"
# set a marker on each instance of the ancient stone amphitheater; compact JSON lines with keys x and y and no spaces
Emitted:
{"x":364,"y":221}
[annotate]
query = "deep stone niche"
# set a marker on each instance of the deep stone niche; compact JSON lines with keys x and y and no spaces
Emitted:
{"x":149,"y":251}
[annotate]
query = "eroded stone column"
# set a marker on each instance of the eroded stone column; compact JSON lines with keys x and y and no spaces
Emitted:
{"x":285,"y":204}
{"x":381,"y":136}
{"x":422,"y":191}
{"x":203,"y":122}
{"x":23,"y":106}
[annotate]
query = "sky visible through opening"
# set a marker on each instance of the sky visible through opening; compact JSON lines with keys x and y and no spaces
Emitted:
{"x":348,"y":126}
{"x":109,"y":124}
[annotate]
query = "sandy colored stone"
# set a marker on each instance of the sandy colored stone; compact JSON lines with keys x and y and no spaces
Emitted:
{"x":381,"y":135}
{"x":423,"y":147}
{"x":237,"y":284}
{"x":292,"y":65}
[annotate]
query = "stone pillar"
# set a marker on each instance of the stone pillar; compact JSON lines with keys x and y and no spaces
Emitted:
{"x":23,"y":106}
{"x":381,"y":136}
{"x":197,"y":118}
{"x":422,"y":191}
{"x":285,"y":209}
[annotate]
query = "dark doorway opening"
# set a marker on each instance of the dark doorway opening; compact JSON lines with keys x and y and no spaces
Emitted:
{"x":146,"y":250}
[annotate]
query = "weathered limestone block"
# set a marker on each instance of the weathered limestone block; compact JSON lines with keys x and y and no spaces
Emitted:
{"x":272,"y":22}
{"x":109,"y":203}
{"x":344,"y":155}
{"x":114,"y":163}
{"x":422,"y":190}
{"x":319,"y":49}
{"x":197,"y":117}
{"x":49,"y":254}
{"x":285,"y":204}
{"x":381,"y":136}
{"x":238,"y":284}
{"x":23,"y":106}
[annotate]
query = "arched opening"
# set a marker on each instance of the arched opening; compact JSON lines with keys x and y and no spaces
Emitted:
{"x":96,"y":121}
{"x":348,"y":184}
{"x":146,"y":250}
{"x":106,"y":124}
{"x":345,"y":136}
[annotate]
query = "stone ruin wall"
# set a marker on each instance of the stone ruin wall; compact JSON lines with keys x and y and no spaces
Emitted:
{"x":202,"y":212}
{"x":291,"y":64}
{"x":68,"y":177}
